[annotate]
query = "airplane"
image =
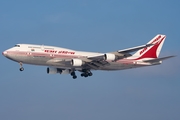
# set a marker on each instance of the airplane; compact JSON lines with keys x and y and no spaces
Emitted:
{"x":66,"y":61}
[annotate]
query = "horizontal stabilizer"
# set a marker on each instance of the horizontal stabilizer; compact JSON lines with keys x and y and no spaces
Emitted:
{"x":159,"y":59}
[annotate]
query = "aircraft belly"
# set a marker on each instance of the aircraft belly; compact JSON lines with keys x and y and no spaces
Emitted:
{"x":39,"y":60}
{"x":36,"y":60}
{"x":47,"y":61}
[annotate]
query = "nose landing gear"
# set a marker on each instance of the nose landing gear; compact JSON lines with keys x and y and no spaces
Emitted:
{"x":21,"y":67}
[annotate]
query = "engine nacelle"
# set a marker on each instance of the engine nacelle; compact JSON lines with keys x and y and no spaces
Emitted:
{"x":109,"y":57}
{"x":51,"y":70}
{"x":76,"y":62}
{"x":66,"y":71}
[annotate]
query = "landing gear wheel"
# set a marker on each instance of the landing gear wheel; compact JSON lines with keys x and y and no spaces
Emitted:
{"x":82,"y":75}
{"x":74,"y":77}
{"x":73,"y":74}
{"x":90,"y":74}
{"x":85,"y":75}
{"x":21,"y":69}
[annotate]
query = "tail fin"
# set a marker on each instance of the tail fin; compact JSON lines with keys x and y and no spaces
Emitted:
{"x":152,"y":51}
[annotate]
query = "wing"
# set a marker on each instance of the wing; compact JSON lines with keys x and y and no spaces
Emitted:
{"x":120,"y":54}
{"x":101,"y":60}
{"x":126,"y":52}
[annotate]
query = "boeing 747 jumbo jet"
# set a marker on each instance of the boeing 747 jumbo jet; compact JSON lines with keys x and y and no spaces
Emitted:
{"x":67,"y":61}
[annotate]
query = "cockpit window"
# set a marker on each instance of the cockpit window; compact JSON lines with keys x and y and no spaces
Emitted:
{"x":17,"y":46}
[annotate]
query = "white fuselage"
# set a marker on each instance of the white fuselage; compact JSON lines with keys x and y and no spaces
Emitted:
{"x":61,"y":57}
{"x":67,"y":61}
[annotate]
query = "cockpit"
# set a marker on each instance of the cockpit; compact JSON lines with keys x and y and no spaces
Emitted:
{"x":17,"y":46}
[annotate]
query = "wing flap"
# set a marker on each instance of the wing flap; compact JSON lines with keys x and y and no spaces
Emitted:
{"x":97,"y":57}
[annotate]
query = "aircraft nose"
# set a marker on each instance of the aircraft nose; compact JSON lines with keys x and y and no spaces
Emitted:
{"x":4,"y":53}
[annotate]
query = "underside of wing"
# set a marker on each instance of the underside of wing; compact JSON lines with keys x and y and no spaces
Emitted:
{"x":94,"y":62}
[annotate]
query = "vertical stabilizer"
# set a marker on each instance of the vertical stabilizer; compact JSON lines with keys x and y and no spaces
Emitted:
{"x":152,"y":51}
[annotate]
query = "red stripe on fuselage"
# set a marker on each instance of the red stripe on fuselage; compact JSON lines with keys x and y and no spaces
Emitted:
{"x":33,"y":54}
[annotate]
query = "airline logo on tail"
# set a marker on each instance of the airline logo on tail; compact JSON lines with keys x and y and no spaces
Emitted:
{"x":152,"y":51}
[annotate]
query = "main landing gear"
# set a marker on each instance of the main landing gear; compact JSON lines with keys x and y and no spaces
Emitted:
{"x":73,"y":74}
{"x":21,"y":67}
{"x":86,"y":73}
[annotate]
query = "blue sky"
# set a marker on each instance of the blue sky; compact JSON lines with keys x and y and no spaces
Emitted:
{"x":90,"y":25}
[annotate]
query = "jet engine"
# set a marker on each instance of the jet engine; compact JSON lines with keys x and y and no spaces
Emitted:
{"x":76,"y":62}
{"x":51,"y":70}
{"x":66,"y":71}
{"x":109,"y":57}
